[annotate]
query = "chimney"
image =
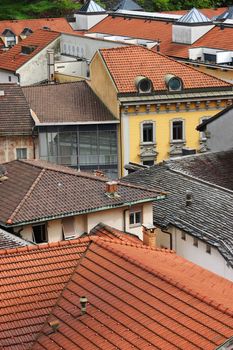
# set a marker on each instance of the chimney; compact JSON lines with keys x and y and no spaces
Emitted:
{"x":149,"y":235}
{"x":99,"y":173}
{"x":83,"y":301}
{"x":51,"y":65}
{"x":189,"y":198}
{"x":111,"y":187}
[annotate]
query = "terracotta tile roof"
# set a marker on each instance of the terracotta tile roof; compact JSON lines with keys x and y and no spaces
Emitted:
{"x":17,"y":26}
{"x":126,"y":63}
{"x":217,"y":38}
{"x":138,"y":298}
{"x":36,"y":190}
{"x":8,"y":240}
{"x":105,"y":231}
{"x":66,"y":103}
{"x":15,"y":117}
{"x":14,"y":59}
{"x":211,"y":12}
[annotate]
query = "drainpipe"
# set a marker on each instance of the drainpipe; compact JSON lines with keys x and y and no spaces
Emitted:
{"x":33,"y":142}
{"x":124,"y":220}
{"x":168,"y":233}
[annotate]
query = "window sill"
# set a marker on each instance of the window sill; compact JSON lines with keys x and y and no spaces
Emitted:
{"x":177,"y":141}
{"x":148,"y":143}
{"x":135,"y":225}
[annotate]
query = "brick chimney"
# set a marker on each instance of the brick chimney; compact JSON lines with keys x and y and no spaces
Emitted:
{"x":149,"y":235}
{"x":111,"y":187}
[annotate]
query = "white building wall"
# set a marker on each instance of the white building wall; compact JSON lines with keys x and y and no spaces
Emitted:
{"x":36,"y":70}
{"x":188,"y":34}
{"x":213,"y":262}
{"x":87,"y":21}
{"x":220,"y":133}
{"x":8,"y":77}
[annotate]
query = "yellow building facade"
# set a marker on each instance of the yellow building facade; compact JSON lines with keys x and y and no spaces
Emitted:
{"x":156,"y":126}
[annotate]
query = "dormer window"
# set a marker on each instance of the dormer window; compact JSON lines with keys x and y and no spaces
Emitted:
{"x":10,"y":38}
{"x":143,"y":84}
{"x":27,"y":31}
{"x":173,"y":82}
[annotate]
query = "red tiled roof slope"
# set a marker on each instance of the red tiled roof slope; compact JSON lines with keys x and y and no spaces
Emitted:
{"x":14,"y":59}
{"x":217,"y":38}
{"x":126,"y":63}
{"x":133,"y":304}
{"x":49,"y":191}
{"x":17,"y":26}
{"x":105,"y":231}
{"x":32,"y":279}
{"x":15,"y":117}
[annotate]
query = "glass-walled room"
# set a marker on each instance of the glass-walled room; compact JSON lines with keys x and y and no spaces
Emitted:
{"x":85,"y":147}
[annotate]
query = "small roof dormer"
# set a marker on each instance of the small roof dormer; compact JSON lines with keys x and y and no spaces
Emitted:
{"x":190,"y":27}
{"x":193,"y":17}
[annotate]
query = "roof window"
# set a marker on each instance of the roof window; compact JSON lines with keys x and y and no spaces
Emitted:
{"x":173,"y":82}
{"x":143,"y":84}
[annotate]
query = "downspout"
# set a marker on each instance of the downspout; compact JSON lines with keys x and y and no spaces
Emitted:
{"x":33,"y":142}
{"x":124,"y":220}
{"x":168,"y":233}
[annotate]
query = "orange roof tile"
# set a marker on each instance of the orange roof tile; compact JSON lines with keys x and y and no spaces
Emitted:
{"x":138,"y":297}
{"x":217,"y":38}
{"x":14,"y":59}
{"x":17,"y":26}
{"x":125,"y":63}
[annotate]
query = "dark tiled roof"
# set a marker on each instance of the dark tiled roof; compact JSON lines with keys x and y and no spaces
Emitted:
{"x":8,"y":240}
{"x":209,"y":217}
{"x":138,"y":298}
{"x":126,"y":63}
{"x":13,"y":59}
{"x":216,"y":168}
{"x":35,"y":190}
{"x":66,"y":103}
{"x":15,"y":115}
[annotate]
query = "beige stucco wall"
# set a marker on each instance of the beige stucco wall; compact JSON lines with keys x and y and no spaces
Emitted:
{"x":103,"y":85}
{"x":8,"y":145}
{"x":86,"y":222}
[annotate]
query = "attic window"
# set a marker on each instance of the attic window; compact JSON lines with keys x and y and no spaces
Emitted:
{"x":143,"y":84}
{"x":27,"y":50}
{"x":27,"y":31}
{"x":173,"y":82}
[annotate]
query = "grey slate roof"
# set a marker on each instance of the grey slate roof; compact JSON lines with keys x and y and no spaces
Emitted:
{"x":210,"y":217}
{"x":194,"y":16}
{"x":8,"y":240}
{"x":91,"y":7}
{"x":15,"y":118}
{"x":66,"y":103}
{"x":129,"y":5}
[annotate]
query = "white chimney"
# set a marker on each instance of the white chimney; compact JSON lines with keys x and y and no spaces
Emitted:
{"x":51,"y":65}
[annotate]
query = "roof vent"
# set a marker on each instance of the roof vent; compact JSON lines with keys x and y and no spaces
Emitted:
{"x":55,"y":324}
{"x":3,"y":173}
{"x":173,"y":82}
{"x":83,"y":301}
{"x":143,"y":85}
{"x":2,"y":93}
{"x":189,"y":198}
{"x":46,"y":28}
{"x":27,"y":50}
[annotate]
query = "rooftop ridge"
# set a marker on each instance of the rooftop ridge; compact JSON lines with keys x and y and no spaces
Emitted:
{"x":169,"y":280}
{"x":43,"y":246}
{"x":27,"y":195}
{"x":58,"y":84}
{"x":128,"y":184}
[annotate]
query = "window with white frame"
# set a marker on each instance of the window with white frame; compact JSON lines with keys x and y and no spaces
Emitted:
{"x":21,"y":153}
{"x":135,"y":217}
{"x":177,"y":130}
{"x":202,"y":133}
{"x":147,"y":132}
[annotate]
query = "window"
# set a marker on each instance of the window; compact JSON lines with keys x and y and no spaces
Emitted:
{"x":40,"y":233}
{"x":135,"y":217}
{"x":9,"y":78}
{"x":208,"y":248}
{"x":21,"y":153}
{"x":202,"y":134}
{"x":147,"y":132}
{"x":183,"y":236}
{"x":148,"y":162}
{"x":195,"y":241}
{"x":177,"y":132}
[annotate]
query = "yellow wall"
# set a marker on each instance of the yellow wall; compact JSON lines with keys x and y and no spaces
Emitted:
{"x":63,"y":78}
{"x":103,"y":85}
{"x":162,"y":122}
